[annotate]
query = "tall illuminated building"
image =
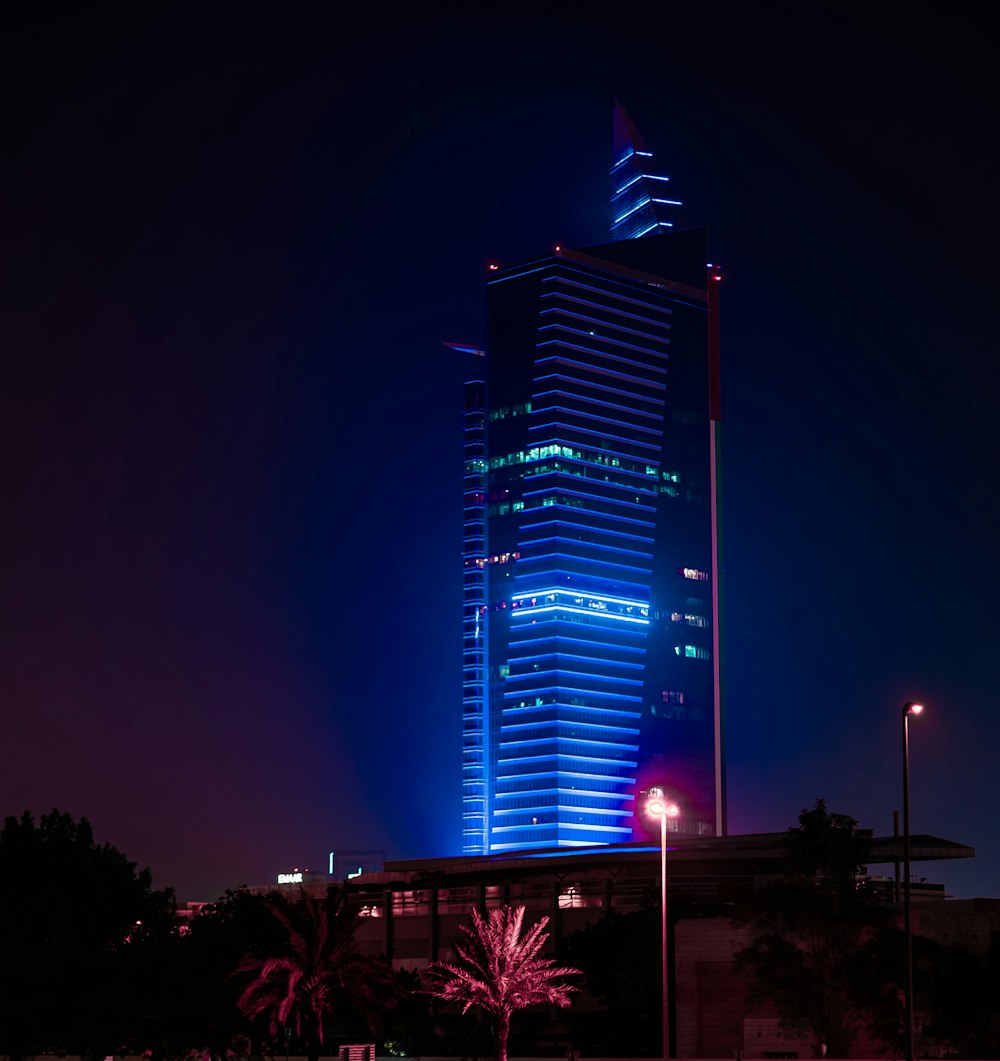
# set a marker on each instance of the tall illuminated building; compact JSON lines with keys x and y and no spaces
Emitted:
{"x":591,"y":592}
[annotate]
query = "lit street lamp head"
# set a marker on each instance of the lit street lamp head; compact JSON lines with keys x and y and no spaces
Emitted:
{"x":657,"y":806}
{"x":912,"y":708}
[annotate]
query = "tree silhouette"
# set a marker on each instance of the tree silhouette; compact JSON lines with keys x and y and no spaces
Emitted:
{"x":316,"y":973}
{"x":501,"y":971}
{"x":79,"y":934}
{"x":809,"y":928}
{"x":237,"y":926}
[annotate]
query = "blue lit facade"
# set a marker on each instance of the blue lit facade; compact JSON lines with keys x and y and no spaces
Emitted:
{"x":475,"y":618}
{"x":641,"y":201}
{"x":591,"y":589}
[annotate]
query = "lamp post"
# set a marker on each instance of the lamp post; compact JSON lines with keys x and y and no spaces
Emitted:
{"x":657,"y":806}
{"x":909,"y":708}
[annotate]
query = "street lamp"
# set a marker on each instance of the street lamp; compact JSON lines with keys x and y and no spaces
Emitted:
{"x":658,"y":806}
{"x":909,"y":708}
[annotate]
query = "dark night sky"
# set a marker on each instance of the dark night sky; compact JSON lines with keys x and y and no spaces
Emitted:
{"x":233,"y":240}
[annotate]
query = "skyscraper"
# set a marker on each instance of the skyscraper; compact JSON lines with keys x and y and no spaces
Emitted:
{"x":591,"y":592}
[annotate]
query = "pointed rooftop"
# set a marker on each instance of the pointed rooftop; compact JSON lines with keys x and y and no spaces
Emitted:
{"x":641,"y":202}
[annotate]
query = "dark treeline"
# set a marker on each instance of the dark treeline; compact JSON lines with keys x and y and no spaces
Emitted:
{"x":94,"y":961}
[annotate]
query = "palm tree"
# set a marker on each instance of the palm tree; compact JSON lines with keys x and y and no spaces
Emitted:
{"x":317,"y":971}
{"x":500,"y":971}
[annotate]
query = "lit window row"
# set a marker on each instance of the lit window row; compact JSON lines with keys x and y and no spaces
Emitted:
{"x":504,"y":508}
{"x":691,"y":652}
{"x":563,"y":699}
{"x":533,"y":454}
{"x":542,"y":452}
{"x":693,"y":573}
{"x":542,"y":605}
{"x":597,"y":474}
{"x":611,"y":605}
{"x":689,"y":619}
{"x":499,"y":558}
{"x":507,"y":411}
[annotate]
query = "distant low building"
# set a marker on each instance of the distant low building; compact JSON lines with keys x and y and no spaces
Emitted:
{"x":412,"y":912}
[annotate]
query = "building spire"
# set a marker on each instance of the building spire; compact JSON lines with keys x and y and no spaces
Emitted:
{"x":641,"y":204}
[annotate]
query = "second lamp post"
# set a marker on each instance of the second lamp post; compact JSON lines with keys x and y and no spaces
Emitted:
{"x":909,"y":709}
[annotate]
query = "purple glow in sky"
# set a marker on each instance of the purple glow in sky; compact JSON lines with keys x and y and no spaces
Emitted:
{"x":234,"y":240}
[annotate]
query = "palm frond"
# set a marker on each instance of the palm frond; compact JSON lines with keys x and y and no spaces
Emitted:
{"x":318,"y":969}
{"x":498,"y":969}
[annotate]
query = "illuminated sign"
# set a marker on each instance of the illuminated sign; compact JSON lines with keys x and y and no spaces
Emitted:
{"x":290,"y":878}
